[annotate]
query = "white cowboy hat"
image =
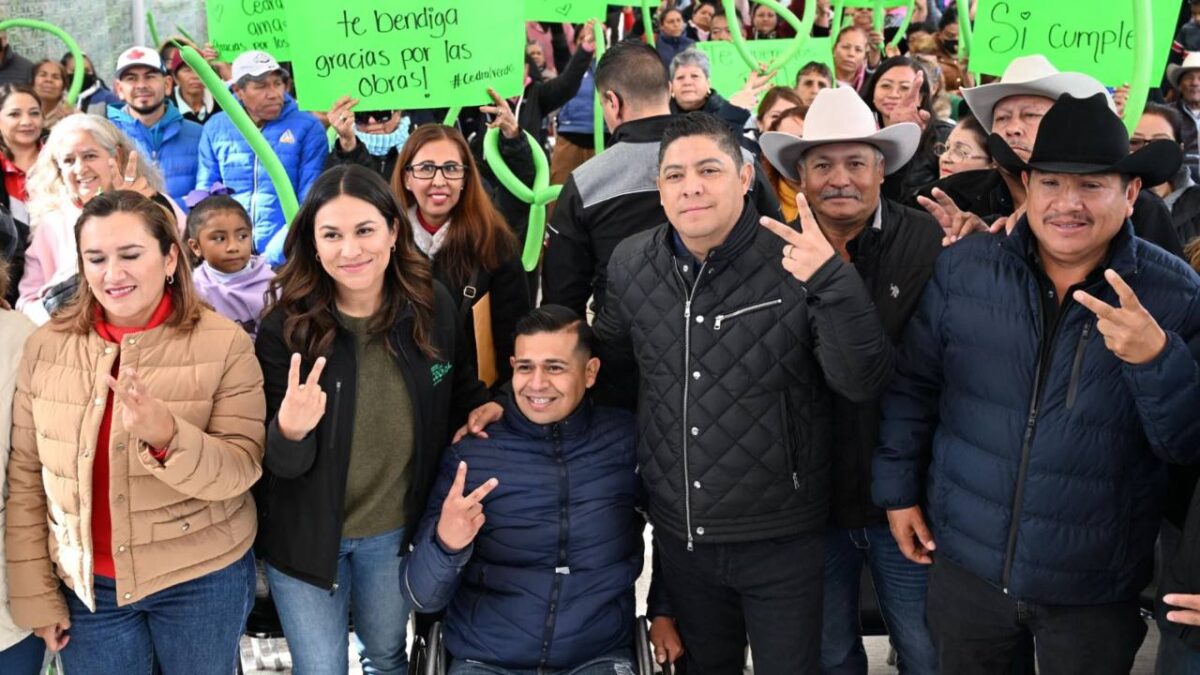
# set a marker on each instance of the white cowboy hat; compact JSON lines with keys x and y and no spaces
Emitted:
{"x":840,"y":116}
{"x":1174,"y":72}
{"x":1031,"y":75}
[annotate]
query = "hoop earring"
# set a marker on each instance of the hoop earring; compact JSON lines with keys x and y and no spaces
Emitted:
{"x":171,"y":280}
{"x":393,"y":247}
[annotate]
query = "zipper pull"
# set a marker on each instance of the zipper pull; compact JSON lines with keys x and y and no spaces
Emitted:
{"x":796,"y":480}
{"x":689,"y":545}
{"x":717,"y":321}
{"x":687,"y":309}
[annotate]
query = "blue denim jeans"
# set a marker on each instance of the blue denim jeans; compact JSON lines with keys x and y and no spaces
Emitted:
{"x":192,"y":628}
{"x":316,"y":620}
{"x":900,"y":586}
{"x":617,"y":663}
{"x":23,"y":658}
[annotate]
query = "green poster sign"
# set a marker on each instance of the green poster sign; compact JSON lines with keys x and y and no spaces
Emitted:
{"x":1096,"y":38}
{"x":236,"y":26}
{"x":729,"y":70}
{"x":403,"y":54}
{"x":560,"y":11}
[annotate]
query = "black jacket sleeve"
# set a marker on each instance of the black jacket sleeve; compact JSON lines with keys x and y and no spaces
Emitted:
{"x":1152,"y":222}
{"x":570,"y":262}
{"x":554,"y":94}
{"x":510,"y":301}
{"x":850,"y":344}
{"x":358,"y":155}
{"x":283,"y":458}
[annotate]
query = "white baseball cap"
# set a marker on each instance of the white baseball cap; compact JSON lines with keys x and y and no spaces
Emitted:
{"x":139,"y":56}
{"x":254,"y":64}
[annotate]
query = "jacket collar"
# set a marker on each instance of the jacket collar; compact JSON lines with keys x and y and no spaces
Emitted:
{"x":572,"y":426}
{"x":1122,"y":254}
{"x":740,"y":237}
{"x":645,"y":130}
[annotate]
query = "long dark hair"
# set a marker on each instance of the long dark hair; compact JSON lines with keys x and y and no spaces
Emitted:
{"x":929,"y":136}
{"x":306,"y":292}
{"x":478,"y":236}
{"x":7,"y":91}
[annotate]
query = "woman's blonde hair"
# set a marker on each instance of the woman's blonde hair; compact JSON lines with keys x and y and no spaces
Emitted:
{"x":47,"y":190}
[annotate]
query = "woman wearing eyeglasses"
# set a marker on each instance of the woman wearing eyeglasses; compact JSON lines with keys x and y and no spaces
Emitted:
{"x":366,"y":373}
{"x":473,"y":249}
{"x":964,"y":150}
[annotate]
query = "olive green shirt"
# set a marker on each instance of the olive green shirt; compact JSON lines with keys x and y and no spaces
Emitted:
{"x":381,"y":447}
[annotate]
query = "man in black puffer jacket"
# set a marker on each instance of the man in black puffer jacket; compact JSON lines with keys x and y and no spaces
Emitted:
{"x":737,"y":358}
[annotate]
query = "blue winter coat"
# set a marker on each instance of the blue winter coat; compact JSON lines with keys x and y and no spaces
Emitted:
{"x":298,"y":140}
{"x":171,"y":144}
{"x":549,"y":580}
{"x":1056,"y":497}
{"x":577,"y":116}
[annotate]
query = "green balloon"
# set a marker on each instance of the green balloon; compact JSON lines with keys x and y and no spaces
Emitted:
{"x":241,"y":120}
{"x":537,"y":197}
{"x":803,"y":28}
{"x":72,"y":46}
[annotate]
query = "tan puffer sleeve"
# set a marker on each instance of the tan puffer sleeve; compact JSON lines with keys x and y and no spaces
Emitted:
{"x":33,"y":588}
{"x":224,"y":459}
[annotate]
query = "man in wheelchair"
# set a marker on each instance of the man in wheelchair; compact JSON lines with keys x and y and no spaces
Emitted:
{"x":532,"y":539}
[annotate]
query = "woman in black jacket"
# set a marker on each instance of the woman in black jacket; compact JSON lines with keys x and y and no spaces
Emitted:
{"x":473,"y":249}
{"x":891,"y":97}
{"x":366,"y":374}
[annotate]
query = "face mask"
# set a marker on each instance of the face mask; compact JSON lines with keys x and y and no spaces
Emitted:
{"x":88,"y":80}
{"x":380,"y":144}
{"x":950,"y":46}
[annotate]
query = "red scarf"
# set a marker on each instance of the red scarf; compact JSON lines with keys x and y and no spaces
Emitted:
{"x":102,"y":545}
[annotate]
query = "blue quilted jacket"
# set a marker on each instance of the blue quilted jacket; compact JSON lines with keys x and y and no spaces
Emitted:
{"x":171,"y":145}
{"x":1048,"y":468}
{"x":299,"y":141}
{"x":549,"y":580}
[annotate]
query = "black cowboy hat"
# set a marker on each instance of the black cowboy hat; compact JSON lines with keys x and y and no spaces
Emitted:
{"x":1083,"y":136}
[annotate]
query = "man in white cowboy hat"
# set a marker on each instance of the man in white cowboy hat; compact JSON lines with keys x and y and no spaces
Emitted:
{"x":1185,"y":79}
{"x":1042,"y":386}
{"x":1013,"y":109}
{"x":840,"y":164}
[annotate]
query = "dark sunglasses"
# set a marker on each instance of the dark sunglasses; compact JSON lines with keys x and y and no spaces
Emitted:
{"x":380,"y":116}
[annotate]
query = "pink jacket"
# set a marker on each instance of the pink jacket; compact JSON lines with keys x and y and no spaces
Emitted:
{"x":51,"y":256}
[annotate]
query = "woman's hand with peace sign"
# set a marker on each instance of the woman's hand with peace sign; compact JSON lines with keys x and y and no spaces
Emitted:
{"x":129,"y":178}
{"x":304,"y":403}
{"x":462,"y":514}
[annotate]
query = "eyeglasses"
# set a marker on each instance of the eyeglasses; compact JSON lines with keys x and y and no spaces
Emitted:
{"x":427,"y":170}
{"x":1137,"y":143}
{"x":957,"y":153}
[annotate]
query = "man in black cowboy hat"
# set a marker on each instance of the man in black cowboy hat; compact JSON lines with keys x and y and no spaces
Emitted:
{"x":1053,"y":373}
{"x":1013,"y":109}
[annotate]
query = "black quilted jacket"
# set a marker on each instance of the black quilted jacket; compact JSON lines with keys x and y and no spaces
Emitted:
{"x":736,"y":361}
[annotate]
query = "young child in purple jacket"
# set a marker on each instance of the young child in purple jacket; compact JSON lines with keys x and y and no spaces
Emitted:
{"x":229,"y":277}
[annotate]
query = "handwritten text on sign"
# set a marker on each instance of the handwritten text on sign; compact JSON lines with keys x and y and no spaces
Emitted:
{"x":406,"y":54}
{"x":1095,"y":38}
{"x":729,"y":71}
{"x":236,"y":26}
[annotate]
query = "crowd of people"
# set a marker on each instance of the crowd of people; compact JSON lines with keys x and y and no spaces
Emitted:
{"x":893,"y":317}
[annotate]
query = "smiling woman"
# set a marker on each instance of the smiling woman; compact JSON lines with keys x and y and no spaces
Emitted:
{"x":366,"y":372}
{"x":165,"y":452}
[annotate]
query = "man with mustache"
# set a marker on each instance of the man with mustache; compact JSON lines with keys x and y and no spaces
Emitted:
{"x":840,"y":164}
{"x":1043,"y":384}
{"x":155,"y":125}
{"x":1013,"y":109}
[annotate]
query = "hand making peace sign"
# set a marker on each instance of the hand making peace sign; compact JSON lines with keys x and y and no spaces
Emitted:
{"x":130,"y":179}
{"x":141,"y":414}
{"x":462,"y":514}
{"x":807,"y":250}
{"x":304,"y":403}
{"x":1129,"y":331}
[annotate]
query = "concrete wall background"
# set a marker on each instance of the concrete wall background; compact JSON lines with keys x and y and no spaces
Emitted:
{"x":103,"y":28}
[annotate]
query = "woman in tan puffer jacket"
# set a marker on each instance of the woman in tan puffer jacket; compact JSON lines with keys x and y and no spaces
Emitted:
{"x":137,"y":433}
